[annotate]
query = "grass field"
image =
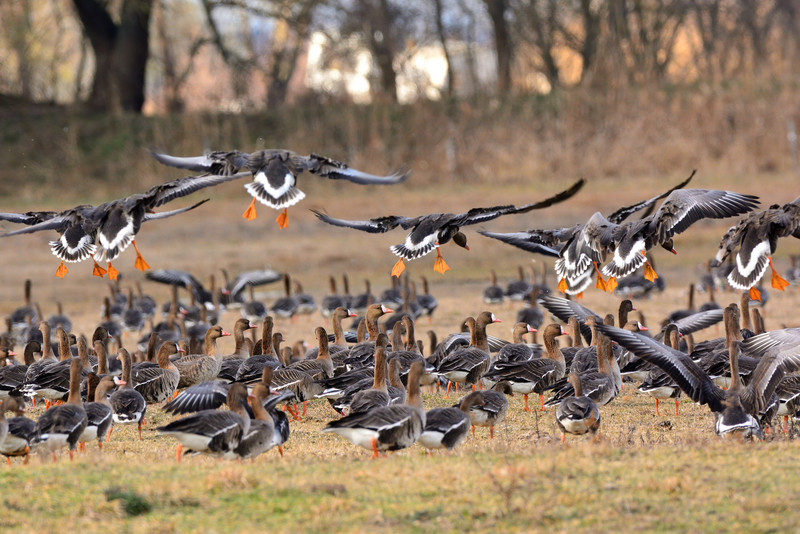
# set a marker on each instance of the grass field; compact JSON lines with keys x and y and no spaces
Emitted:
{"x":647,"y":473}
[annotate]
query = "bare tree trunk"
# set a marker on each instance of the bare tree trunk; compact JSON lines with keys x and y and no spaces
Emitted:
{"x":120,"y":50}
{"x":502,"y":43}
{"x":172,"y":99}
{"x":440,"y":31}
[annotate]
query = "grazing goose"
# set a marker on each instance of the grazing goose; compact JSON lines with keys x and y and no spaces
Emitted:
{"x":157,"y":384}
{"x":753,"y":240}
{"x":286,"y":306}
{"x":578,"y":414}
{"x":737,"y":408}
{"x":487,"y":408}
{"x":388,"y":428}
{"x":254,"y":310}
{"x":534,"y":376}
{"x":128,"y":404}
{"x":275,"y":174}
{"x":214,"y":432}
{"x":196,"y":368}
{"x":428,"y":232}
{"x":99,"y":414}
{"x":106,"y":230}
{"x":63,"y":425}
{"x":446,"y":428}
{"x":21,"y":430}
{"x":466,"y":365}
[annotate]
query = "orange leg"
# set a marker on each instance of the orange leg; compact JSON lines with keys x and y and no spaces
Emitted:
{"x":178,"y":452}
{"x":473,"y":430}
{"x":100,"y":445}
{"x":62,"y":270}
{"x":8,"y":459}
{"x":447,"y":393}
{"x":676,"y":406}
{"x":525,"y":396}
{"x":305,"y":403}
{"x":97,"y":270}
{"x":250,"y":212}
{"x":657,"y":413}
{"x":375,"y":453}
{"x":283,"y":219}
{"x":112,"y":272}
{"x":785,"y":424}
{"x":491,"y":432}
{"x":563,"y":437}
{"x":71,"y":452}
{"x":47,"y":404}
{"x":140,"y":430}
{"x":110,"y":430}
{"x":541,"y":402}
{"x":139,"y":263}
{"x":280,"y":450}
{"x":439,"y":264}
{"x":55,"y":459}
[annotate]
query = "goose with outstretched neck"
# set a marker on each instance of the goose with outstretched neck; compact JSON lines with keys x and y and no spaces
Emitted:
{"x":466,"y":365}
{"x":99,"y":414}
{"x":387,"y":428}
{"x":62,"y":426}
{"x":361,"y":353}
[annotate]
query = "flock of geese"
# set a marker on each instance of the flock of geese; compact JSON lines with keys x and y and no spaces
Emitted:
{"x":372,"y":378}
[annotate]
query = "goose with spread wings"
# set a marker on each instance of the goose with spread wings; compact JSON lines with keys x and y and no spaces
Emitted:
{"x":737,"y":409}
{"x":275,"y":174}
{"x":581,"y":250}
{"x":106,"y":230}
{"x":753,"y":240}
{"x":428,"y":232}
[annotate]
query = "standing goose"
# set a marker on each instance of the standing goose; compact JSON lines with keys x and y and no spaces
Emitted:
{"x":63,"y":425}
{"x":658,"y":384}
{"x":214,"y":432}
{"x":487,"y":408}
{"x":26,"y":314}
{"x":388,"y":428}
{"x":531,"y":313}
{"x":332,"y":301}
{"x":128,"y":404}
{"x":196,"y":368}
{"x":753,"y":240}
{"x":446,"y":428}
{"x":518,"y":350}
{"x":275,"y":174}
{"x":428,"y":232}
{"x":260,"y":436}
{"x":466,"y":365}
{"x":426,"y":300}
{"x":520,"y":288}
{"x":99,"y":414}
{"x":737,"y":408}
{"x":578,"y":414}
{"x":339,"y":349}
{"x":536,"y":375}
{"x":13,"y":376}
{"x":378,"y":395}
{"x":322,"y":364}
{"x":361,"y":353}
{"x":157,"y":384}
{"x":51,"y":381}
{"x":493,"y":294}
{"x":286,"y":306}
{"x":241,"y":351}
{"x":299,"y":381}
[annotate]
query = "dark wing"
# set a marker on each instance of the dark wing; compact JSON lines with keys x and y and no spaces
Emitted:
{"x":699,"y":321}
{"x":771,"y":369}
{"x":564,"y":309}
{"x":175,"y":277}
{"x":58,"y":223}
{"x":29,"y":217}
{"x":374,"y":226}
{"x":530,"y":241}
{"x":253,"y":278}
{"x":336,"y":170}
{"x":624,"y":212}
{"x":759,"y":345}
{"x":212,"y":162}
{"x":683,"y":370}
{"x":180,"y":187}
{"x":203,"y":396}
{"x":684,"y":207}
{"x":555,"y":199}
{"x":166,"y":214}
